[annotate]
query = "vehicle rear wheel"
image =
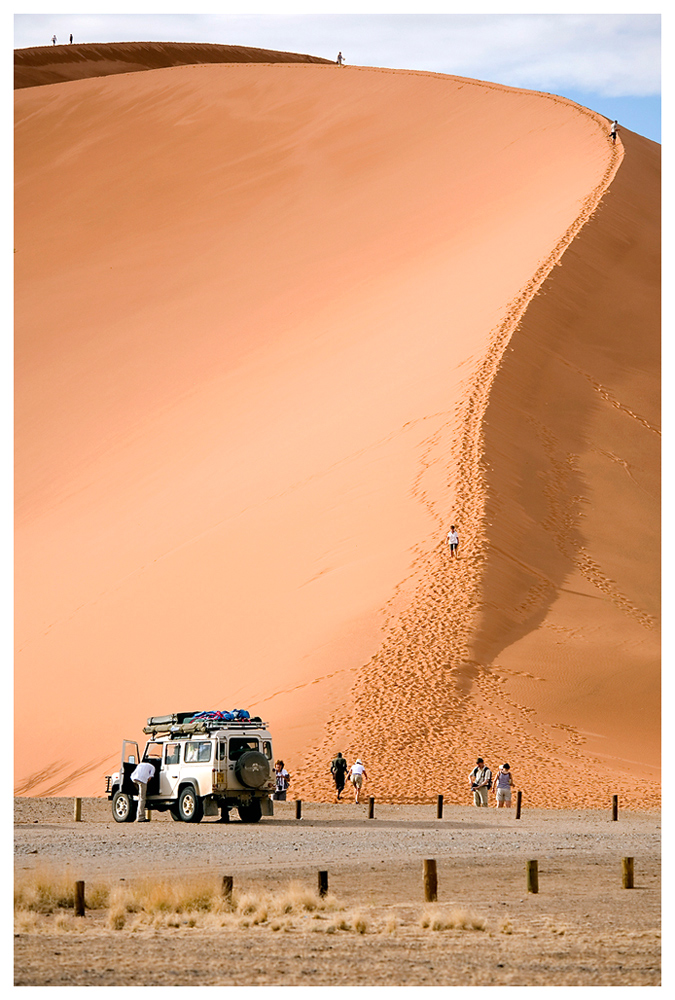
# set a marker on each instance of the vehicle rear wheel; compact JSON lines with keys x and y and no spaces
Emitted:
{"x":190,"y":806}
{"x":250,"y":813}
{"x":123,"y":808}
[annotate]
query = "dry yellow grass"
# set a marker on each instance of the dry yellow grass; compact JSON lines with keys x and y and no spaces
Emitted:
{"x":435,"y":918}
{"x":45,"y":902}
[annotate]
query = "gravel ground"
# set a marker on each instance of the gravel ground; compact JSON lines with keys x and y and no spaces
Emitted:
{"x":582,"y":928}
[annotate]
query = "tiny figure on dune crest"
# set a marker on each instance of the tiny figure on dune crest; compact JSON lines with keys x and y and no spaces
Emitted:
{"x":71,"y":38}
{"x":283,"y":780}
{"x":141,"y":775}
{"x":613,"y":130}
{"x":453,"y":541}
{"x":503,"y":786}
{"x":480,"y":780}
{"x":340,"y":59}
{"x":338,"y":769}
{"x":53,"y":39}
{"x":357,"y":775}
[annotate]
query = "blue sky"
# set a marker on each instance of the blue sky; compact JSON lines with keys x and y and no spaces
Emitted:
{"x":610,"y":62}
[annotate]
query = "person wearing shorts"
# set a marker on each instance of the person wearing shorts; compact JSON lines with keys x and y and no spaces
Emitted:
{"x":453,"y":541}
{"x":357,"y":775}
{"x":503,"y":786}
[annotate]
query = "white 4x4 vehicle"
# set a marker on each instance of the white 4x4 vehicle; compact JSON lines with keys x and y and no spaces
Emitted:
{"x":205,"y":763}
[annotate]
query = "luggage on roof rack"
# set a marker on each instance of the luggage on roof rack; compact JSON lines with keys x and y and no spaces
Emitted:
{"x":188,"y":723}
{"x":167,"y":720}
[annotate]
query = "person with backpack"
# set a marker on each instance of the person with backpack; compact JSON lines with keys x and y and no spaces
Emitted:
{"x":480,"y":780}
{"x":338,"y":769}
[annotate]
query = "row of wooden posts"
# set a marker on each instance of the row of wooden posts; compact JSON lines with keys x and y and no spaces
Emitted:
{"x":77,"y":810}
{"x":430,"y":878}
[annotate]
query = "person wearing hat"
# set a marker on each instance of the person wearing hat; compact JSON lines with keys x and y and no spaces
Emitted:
{"x":503,"y":786}
{"x":357,"y":775}
{"x":480,"y":780}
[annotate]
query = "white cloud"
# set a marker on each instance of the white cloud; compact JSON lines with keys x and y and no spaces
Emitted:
{"x":610,"y":54}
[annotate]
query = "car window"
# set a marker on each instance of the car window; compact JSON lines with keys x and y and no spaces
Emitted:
{"x":197,"y":752}
{"x":267,"y":749}
{"x":239,"y":746}
{"x":153,"y":752}
{"x":172,"y":755}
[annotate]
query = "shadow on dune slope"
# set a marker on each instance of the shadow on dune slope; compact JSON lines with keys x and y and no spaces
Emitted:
{"x":586,"y":352}
{"x":46,"y":64}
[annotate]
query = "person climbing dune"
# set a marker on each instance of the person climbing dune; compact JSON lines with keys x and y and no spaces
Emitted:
{"x":453,"y":541}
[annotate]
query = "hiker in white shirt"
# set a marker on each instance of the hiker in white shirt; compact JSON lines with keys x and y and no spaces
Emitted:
{"x":453,"y":541}
{"x":142,"y":775}
{"x":357,"y":775}
{"x":480,"y":780}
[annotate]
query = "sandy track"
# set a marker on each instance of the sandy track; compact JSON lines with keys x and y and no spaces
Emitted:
{"x":582,"y":928}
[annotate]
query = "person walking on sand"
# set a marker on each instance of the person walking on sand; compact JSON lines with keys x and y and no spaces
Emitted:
{"x":357,"y":775}
{"x":53,"y":39}
{"x":282,"y":779}
{"x":480,"y":780}
{"x":503,"y":786}
{"x":339,"y":59}
{"x":71,"y":38}
{"x":141,"y":775}
{"x":613,"y":131}
{"x":453,"y":541}
{"x":338,"y":769}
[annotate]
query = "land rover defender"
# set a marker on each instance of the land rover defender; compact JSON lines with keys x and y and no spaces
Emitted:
{"x":205,"y":764}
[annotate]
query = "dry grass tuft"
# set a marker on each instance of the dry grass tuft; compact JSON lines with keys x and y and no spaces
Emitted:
{"x":436,"y":919}
{"x":44,"y":892}
{"x":175,"y":904}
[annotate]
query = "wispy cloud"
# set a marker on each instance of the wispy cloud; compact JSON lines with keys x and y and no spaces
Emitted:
{"x":609,"y":54}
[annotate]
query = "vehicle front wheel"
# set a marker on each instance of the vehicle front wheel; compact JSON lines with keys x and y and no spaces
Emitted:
{"x":123,"y":808}
{"x":190,"y":806}
{"x":250,"y":813}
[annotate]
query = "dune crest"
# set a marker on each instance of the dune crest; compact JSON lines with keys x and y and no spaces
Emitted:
{"x":266,"y":353}
{"x":45,"y":64}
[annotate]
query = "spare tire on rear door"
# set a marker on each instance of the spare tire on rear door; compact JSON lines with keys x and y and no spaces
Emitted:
{"x":252,"y":769}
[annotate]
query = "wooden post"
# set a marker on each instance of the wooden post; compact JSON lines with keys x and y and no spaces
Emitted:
{"x":532,"y":876}
{"x":371,"y":808}
{"x":79,"y":899}
{"x":323,"y":883}
{"x":77,"y":810}
{"x":430,"y":881}
{"x":298,"y":808}
{"x":627,"y":866}
{"x":615,"y":807}
{"x":439,"y":807}
{"x":519,"y":801}
{"x":228,"y":885}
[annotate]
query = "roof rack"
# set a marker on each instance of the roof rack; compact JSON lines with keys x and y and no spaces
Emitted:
{"x":184,"y":724}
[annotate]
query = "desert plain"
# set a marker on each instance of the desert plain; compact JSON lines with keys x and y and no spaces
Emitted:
{"x":279,"y":324}
{"x":581,"y":929}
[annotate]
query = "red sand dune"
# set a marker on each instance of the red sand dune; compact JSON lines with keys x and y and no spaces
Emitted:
{"x":45,"y":64}
{"x":278,"y":326}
